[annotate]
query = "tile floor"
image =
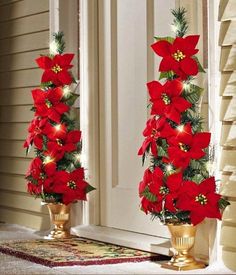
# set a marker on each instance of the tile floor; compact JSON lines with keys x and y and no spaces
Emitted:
{"x":12,"y":265}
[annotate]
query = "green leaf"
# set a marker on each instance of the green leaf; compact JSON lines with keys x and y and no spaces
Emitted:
{"x":223,"y":203}
{"x":33,"y":109}
{"x":198,"y":178}
{"x":193,"y":97}
{"x":200,"y":68}
{"x":162,"y":152}
{"x":90,"y":188}
{"x":71,"y":99}
{"x":148,"y":195}
{"x":166,"y":38}
{"x":168,"y":75}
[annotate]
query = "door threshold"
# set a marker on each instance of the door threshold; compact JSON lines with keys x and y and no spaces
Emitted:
{"x":124,"y":238}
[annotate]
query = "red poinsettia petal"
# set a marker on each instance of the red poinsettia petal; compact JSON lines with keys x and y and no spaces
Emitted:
{"x":174,"y":181}
{"x":168,"y":64}
{"x":196,"y":153}
{"x":78,"y":174}
{"x":172,"y":114}
{"x":196,"y":218}
{"x":38,"y":96}
{"x":54,"y":115}
{"x":73,"y":136}
{"x":62,"y":108}
{"x":181,"y":104}
{"x":55,"y":95}
{"x":157,"y":174}
{"x":69,"y":147}
{"x":38,"y":142}
{"x":50,"y":168}
{"x":144,"y":146}
{"x":155,"y":89}
{"x":202,"y":140}
{"x":64,"y":77}
{"x":48,"y":76}
{"x":208,"y":185}
{"x":162,"y":48}
{"x":44,"y":62}
{"x":63,"y":60}
{"x":189,"y":66}
{"x":173,"y":88}
{"x":191,"y":42}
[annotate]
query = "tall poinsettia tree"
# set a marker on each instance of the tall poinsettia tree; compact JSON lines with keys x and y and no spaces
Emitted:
{"x":55,"y":174}
{"x":177,"y":187}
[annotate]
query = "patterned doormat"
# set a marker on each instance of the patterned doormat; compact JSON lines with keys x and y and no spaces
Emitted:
{"x":75,"y":251}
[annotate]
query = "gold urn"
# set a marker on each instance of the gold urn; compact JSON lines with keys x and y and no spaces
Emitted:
{"x":182,"y":240}
{"x":60,"y":218}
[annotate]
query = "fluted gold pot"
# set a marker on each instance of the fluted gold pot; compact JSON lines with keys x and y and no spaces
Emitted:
{"x":60,"y":217}
{"x":182,"y":240}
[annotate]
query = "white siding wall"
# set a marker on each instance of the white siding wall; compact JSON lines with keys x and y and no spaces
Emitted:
{"x":24,"y":26}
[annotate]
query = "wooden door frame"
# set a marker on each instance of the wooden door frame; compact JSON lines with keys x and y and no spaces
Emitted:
{"x":64,"y":17}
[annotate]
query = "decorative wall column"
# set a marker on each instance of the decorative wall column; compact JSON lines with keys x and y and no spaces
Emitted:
{"x":227,"y":41}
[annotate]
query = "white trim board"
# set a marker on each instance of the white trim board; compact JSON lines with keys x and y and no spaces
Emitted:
{"x":124,"y":238}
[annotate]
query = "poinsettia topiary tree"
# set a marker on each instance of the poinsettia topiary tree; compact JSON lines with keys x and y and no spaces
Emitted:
{"x":55,"y":174}
{"x":177,"y":187}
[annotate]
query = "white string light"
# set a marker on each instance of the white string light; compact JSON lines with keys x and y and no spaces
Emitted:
{"x":47,"y":160}
{"x":53,"y":47}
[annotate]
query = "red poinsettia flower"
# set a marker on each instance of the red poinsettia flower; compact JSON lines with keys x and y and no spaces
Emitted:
{"x":186,"y":146}
{"x":155,"y":128}
{"x":35,"y":135}
{"x":48,"y":103}
{"x":39,"y":174}
{"x":67,"y":143}
{"x":174,"y":182}
{"x":165,"y":190}
{"x":177,"y":57}
{"x":167,"y":100}
{"x":56,"y":69}
{"x":33,"y":188}
{"x":55,"y":132}
{"x":200,"y":199}
{"x":72,"y":185}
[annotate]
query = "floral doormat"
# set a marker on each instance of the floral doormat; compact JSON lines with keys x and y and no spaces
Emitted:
{"x":74,"y":251}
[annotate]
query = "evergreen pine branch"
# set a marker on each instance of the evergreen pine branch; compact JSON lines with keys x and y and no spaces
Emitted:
{"x":180,"y":23}
{"x":58,"y":38}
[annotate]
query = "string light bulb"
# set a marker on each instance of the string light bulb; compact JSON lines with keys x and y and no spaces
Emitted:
{"x":47,"y":160}
{"x":180,"y":128}
{"x":53,"y":47}
{"x":58,"y":127}
{"x":77,"y":157}
{"x":186,"y":86}
{"x":66,"y":90}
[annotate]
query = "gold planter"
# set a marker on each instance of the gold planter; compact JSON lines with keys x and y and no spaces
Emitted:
{"x":182,"y":240}
{"x":60,"y":217}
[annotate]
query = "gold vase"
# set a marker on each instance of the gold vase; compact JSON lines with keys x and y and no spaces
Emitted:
{"x":182,"y":240}
{"x":60,"y":217}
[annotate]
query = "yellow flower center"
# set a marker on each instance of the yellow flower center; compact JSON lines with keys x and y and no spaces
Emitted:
{"x":165,"y":99}
{"x":48,"y":103}
{"x":71,"y":184}
{"x":163,"y":190}
{"x":59,"y":142}
{"x":42,"y":176}
{"x":154,"y":132}
{"x":56,"y":69}
{"x":178,"y":56}
{"x":202,"y":199}
{"x":183,"y":147}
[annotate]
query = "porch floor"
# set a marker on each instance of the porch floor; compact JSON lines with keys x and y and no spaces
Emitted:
{"x":12,"y":265}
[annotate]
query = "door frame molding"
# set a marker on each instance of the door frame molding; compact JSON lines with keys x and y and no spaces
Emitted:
{"x":64,"y":17}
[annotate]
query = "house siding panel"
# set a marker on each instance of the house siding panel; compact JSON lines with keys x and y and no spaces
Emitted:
{"x":24,"y":35}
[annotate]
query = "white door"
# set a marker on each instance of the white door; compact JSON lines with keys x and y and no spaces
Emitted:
{"x":126,"y":63}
